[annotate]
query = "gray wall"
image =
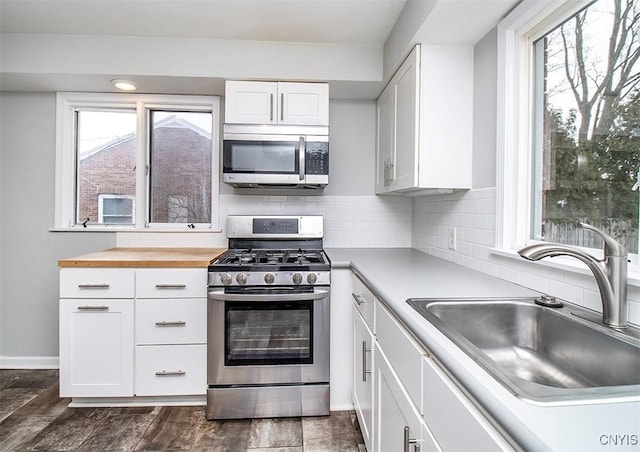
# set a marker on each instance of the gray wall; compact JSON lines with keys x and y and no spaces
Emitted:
{"x":29,"y":273}
{"x":484,"y":111}
{"x":29,"y":251}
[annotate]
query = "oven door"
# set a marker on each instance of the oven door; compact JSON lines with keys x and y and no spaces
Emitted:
{"x":268,"y":336}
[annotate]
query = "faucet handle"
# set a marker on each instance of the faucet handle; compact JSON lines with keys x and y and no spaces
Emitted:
{"x":611,"y":246}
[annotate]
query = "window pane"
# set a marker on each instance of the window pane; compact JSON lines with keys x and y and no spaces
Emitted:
{"x":106,"y":156}
{"x":587,"y":125}
{"x":180,"y":167}
{"x":115,"y":209}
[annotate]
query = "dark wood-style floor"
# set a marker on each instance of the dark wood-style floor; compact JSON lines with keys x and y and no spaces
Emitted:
{"x":34,"y":418}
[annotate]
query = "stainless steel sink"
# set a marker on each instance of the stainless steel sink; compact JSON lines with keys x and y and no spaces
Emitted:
{"x":542,"y":354}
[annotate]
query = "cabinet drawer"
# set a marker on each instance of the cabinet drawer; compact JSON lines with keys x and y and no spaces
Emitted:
{"x":364,"y":301}
{"x":404,"y":354}
{"x":171,"y":283}
{"x":442,"y":402}
{"x":171,"y":321}
{"x":96,"y":283}
{"x":171,"y":370}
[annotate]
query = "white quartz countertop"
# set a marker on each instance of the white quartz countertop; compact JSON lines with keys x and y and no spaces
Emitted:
{"x":397,"y":274}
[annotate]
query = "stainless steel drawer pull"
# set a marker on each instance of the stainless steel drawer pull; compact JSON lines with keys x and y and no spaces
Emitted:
{"x":175,"y":323}
{"x":170,"y":286}
{"x":93,"y":286}
{"x":93,"y":308}
{"x":408,"y":441}
{"x":365,"y":349}
{"x":167,"y":373}
{"x":359,"y":298}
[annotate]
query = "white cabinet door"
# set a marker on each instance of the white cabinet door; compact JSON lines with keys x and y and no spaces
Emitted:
{"x":405,"y":355}
{"x":288,"y":103}
{"x":303,"y":103}
{"x":385,"y":141}
{"x":96,"y":348}
{"x":395,"y":414}
{"x":406,"y":149}
{"x":444,"y":402}
{"x":363,"y":345}
{"x":250,"y":102}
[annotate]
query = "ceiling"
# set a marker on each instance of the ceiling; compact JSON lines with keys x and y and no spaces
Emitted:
{"x":348,"y":23}
{"x":360,"y":22}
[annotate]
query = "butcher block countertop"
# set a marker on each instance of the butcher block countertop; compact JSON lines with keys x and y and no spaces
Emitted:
{"x":145,"y":258}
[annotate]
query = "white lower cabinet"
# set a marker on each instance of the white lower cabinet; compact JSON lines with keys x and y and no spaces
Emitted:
{"x":96,"y":348}
{"x":415,"y":404}
{"x":363,"y":346}
{"x":399,"y":425}
{"x":126,"y":333}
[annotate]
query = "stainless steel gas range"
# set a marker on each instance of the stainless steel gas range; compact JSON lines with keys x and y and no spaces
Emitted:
{"x":268,"y":320}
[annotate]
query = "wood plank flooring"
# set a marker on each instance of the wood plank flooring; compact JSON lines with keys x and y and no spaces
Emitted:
{"x":34,"y":418}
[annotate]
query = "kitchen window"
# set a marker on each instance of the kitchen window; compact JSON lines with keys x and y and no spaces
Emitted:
{"x":131,"y":162}
{"x":569,"y":115}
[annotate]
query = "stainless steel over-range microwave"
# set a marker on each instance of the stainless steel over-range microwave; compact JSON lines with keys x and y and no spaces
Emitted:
{"x":276,"y":160}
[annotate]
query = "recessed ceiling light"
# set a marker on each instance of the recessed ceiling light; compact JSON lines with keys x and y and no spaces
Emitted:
{"x":124,"y":85}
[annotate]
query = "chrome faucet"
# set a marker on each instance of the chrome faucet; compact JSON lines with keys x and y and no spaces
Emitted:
{"x":610,"y":272}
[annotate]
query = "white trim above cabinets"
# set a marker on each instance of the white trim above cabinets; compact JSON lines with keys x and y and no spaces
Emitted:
{"x":425,"y":123}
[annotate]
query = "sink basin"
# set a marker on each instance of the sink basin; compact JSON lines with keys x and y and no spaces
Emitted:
{"x":541,"y":354}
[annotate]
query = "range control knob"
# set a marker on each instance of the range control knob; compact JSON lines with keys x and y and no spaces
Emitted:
{"x":225,"y":278}
{"x":312,"y":278}
{"x":297,"y":278}
{"x":241,"y":278}
{"x":269,"y":278}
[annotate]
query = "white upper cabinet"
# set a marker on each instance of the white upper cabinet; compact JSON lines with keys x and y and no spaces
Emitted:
{"x":424,"y":134}
{"x":287,"y":103}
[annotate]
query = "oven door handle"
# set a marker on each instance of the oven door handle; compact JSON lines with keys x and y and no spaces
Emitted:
{"x":219,"y":295}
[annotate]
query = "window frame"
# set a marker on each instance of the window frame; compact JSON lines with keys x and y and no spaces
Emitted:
{"x":67,"y":103}
{"x":529,"y":21}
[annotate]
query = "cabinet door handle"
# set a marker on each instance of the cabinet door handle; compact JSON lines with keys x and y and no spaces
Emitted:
{"x":167,"y":373}
{"x":176,"y":323}
{"x":93,"y":286}
{"x":282,"y":107}
{"x":359,"y":298}
{"x":93,"y":308}
{"x":408,"y":441}
{"x":364,"y":360}
{"x":171,"y":286}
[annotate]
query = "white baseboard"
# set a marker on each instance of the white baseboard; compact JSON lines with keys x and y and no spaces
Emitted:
{"x":29,"y":362}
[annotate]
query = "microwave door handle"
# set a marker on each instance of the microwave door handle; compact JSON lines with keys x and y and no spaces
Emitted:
{"x":303,"y":151}
{"x":271,"y":107}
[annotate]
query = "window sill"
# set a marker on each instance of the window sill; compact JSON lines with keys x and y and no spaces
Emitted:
{"x":570,"y":264}
{"x":145,"y":230}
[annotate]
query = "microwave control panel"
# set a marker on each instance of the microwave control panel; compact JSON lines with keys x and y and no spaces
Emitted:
{"x":317,"y":158}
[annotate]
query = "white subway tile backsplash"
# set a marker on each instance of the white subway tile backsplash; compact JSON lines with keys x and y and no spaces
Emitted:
{"x":472,"y":213}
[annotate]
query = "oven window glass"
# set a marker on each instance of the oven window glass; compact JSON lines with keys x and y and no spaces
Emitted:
{"x":266,"y":333}
{"x":261,"y":157}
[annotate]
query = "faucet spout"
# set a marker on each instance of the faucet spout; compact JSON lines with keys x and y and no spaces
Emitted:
{"x":610,"y":273}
